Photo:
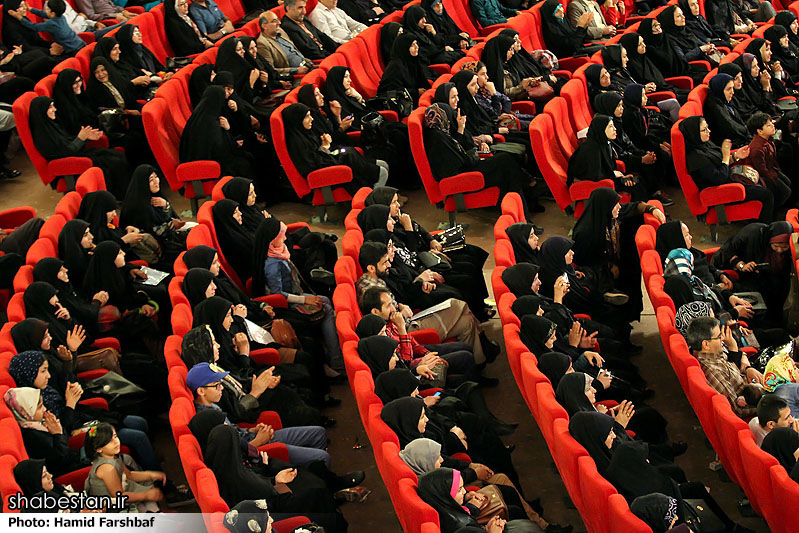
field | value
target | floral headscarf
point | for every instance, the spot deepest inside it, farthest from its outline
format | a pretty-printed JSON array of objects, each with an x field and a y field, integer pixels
[
  {"x": 780, "y": 369},
  {"x": 23, "y": 402},
  {"x": 436, "y": 118}
]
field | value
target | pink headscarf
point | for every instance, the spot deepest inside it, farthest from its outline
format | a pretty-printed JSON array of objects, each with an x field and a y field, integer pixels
[
  {"x": 456, "y": 486},
  {"x": 23, "y": 402},
  {"x": 278, "y": 248}
]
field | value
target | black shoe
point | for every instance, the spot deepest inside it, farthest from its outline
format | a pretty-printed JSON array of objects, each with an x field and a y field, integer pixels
[
  {"x": 331, "y": 236},
  {"x": 328, "y": 422},
  {"x": 490, "y": 348},
  {"x": 487, "y": 382},
  {"x": 679, "y": 448},
  {"x": 350, "y": 479},
  {"x": 331, "y": 402},
  {"x": 177, "y": 495},
  {"x": 536, "y": 505},
  {"x": 9, "y": 172},
  {"x": 503, "y": 430}
]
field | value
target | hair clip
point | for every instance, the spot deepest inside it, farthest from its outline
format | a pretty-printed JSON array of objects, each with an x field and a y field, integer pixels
[{"x": 93, "y": 431}]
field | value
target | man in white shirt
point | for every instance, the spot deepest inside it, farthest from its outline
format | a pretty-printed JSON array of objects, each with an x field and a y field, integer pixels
[
  {"x": 80, "y": 23},
  {"x": 334, "y": 22},
  {"x": 774, "y": 413}
]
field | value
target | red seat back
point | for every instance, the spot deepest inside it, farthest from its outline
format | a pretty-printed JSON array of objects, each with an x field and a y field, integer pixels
[
  {"x": 551, "y": 161},
  {"x": 90, "y": 181}
]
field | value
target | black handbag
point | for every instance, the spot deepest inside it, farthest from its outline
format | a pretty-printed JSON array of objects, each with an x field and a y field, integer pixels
[
  {"x": 177, "y": 63},
  {"x": 700, "y": 518},
  {"x": 399, "y": 101},
  {"x": 451, "y": 238},
  {"x": 113, "y": 122},
  {"x": 122, "y": 394}
]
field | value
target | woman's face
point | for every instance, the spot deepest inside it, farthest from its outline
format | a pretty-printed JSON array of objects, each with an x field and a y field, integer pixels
[
  {"x": 46, "y": 340},
  {"x": 63, "y": 274},
  {"x": 704, "y": 131},
  {"x": 551, "y": 340},
  {"x": 253, "y": 49},
  {"x": 591, "y": 394},
  {"x": 780, "y": 247},
  {"x": 422, "y": 22},
  {"x": 619, "y": 111},
  {"x": 784, "y": 41},
  {"x": 392, "y": 363},
  {"x": 453, "y": 98},
  {"x": 240, "y": 49},
  {"x": 679, "y": 17},
  {"x": 251, "y": 195},
  {"x": 604, "y": 78},
  {"x": 438, "y": 7},
  {"x": 517, "y": 42},
  {"x": 765, "y": 53},
  {"x": 47, "y": 480},
  {"x": 729, "y": 90},
  {"x": 615, "y": 211},
  {"x": 754, "y": 70},
  {"x": 694, "y": 5},
  {"x": 119, "y": 260},
  {"x": 210, "y": 290},
  {"x": 307, "y": 121},
  {"x": 38, "y": 415},
  {"x": 77, "y": 85},
  {"x": 112, "y": 448},
  {"x": 439, "y": 462},
  {"x": 624, "y": 58},
  {"x": 155, "y": 183},
  {"x": 473, "y": 86},
  {"x": 109, "y": 216},
  {"x": 228, "y": 320},
  {"x": 114, "y": 53},
  {"x": 414, "y": 49},
  {"x": 460, "y": 494},
  {"x": 536, "y": 284},
  {"x": 657, "y": 29},
  {"x": 394, "y": 206},
  {"x": 532, "y": 240},
  {"x": 422, "y": 425},
  {"x": 795, "y": 27},
  {"x": 569, "y": 257},
  {"x": 738, "y": 81},
  {"x": 346, "y": 82},
  {"x": 318, "y": 97},
  {"x": 87, "y": 241},
  {"x": 686, "y": 233},
  {"x": 540, "y": 311},
  {"x": 214, "y": 346},
  {"x": 482, "y": 76},
  {"x": 215, "y": 266},
  {"x": 136, "y": 36},
  {"x": 237, "y": 215},
  {"x": 390, "y": 224},
  {"x": 510, "y": 53},
  {"x": 609, "y": 440},
  {"x": 43, "y": 376},
  {"x": 51, "y": 111},
  {"x": 558, "y": 13},
  {"x": 101, "y": 74},
  {"x": 610, "y": 130},
  {"x": 641, "y": 46},
  {"x": 183, "y": 7}
]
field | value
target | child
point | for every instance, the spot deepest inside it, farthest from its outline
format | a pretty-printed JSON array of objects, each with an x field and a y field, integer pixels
[{"x": 55, "y": 24}]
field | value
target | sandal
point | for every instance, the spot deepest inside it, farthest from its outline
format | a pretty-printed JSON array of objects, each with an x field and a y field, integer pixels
[{"x": 354, "y": 494}]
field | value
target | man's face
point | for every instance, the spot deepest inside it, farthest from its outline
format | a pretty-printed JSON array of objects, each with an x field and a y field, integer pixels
[
  {"x": 271, "y": 25},
  {"x": 383, "y": 266},
  {"x": 784, "y": 421},
  {"x": 713, "y": 345},
  {"x": 386, "y": 306},
  {"x": 297, "y": 11}
]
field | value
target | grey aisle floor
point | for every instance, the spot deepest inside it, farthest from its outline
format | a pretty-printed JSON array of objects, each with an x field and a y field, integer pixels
[{"x": 532, "y": 458}]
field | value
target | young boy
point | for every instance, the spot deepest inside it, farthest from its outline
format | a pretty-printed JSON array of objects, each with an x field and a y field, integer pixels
[
  {"x": 304, "y": 443},
  {"x": 55, "y": 24},
  {"x": 763, "y": 157}
]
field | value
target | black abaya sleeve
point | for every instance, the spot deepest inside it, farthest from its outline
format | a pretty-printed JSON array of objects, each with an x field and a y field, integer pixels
[{"x": 710, "y": 176}]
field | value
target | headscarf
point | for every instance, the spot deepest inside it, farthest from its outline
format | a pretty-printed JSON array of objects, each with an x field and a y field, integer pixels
[
  {"x": 594, "y": 159},
  {"x": 590, "y": 232},
  {"x": 236, "y": 242},
  {"x": 28, "y": 335},
  {"x": 554, "y": 366},
  {"x": 103, "y": 275},
  {"x": 668, "y": 237},
  {"x": 203, "y": 138},
  {"x": 661, "y": 51},
  {"x": 381, "y": 195},
  {"x": 195, "y": 284},
  {"x": 680, "y": 262},
  {"x": 698, "y": 154},
  {"x": 632, "y": 474},
  {"x": 23, "y": 403},
  {"x": 438, "y": 489},
  {"x": 527, "y": 305},
  {"x": 369, "y": 325},
  {"x": 181, "y": 32},
  {"x": 495, "y": 56},
  {"x": 302, "y": 144},
  {"x": 203, "y": 422},
  {"x": 679, "y": 35},
  {"x": 388, "y": 34},
  {"x": 137, "y": 55},
  {"x": 435, "y": 118},
  {"x": 402, "y": 416},
  {"x": 785, "y": 19},
  {"x": 373, "y": 217},
  {"x": 571, "y": 392},
  {"x": 199, "y": 81},
  {"x": 28, "y": 475},
  {"x": 591, "y": 429},
  {"x": 535, "y": 331},
  {"x": 376, "y": 352},
  {"x": 780, "y": 369},
  {"x": 103, "y": 49},
  {"x": 279, "y": 250},
  {"x": 250, "y": 516},
  {"x": 212, "y": 311},
  {"x": 786, "y": 56},
  {"x": 395, "y": 384},
  {"x": 101, "y": 95},
  {"x": 238, "y": 189},
  {"x": 136, "y": 207},
  {"x": 49, "y": 137},
  {"x": 75, "y": 257},
  {"x": 478, "y": 120},
  {"x": 73, "y": 110},
  {"x": 37, "y": 305},
  {"x": 268, "y": 231},
  {"x": 421, "y": 455},
  {"x": 687, "y": 312},
  {"x": 197, "y": 346},
  {"x": 640, "y": 66},
  {"x": 553, "y": 262},
  {"x": 404, "y": 70},
  {"x": 782, "y": 443},
  {"x": 24, "y": 367},
  {"x": 716, "y": 87},
  {"x": 519, "y": 278},
  {"x": 518, "y": 234},
  {"x": 656, "y": 510},
  {"x": 94, "y": 209}
]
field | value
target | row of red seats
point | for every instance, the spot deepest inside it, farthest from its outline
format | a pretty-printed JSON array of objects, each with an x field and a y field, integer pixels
[{"x": 601, "y": 507}]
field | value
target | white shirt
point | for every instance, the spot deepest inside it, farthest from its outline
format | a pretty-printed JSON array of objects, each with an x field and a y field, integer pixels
[
  {"x": 757, "y": 431},
  {"x": 76, "y": 22},
  {"x": 335, "y": 23}
]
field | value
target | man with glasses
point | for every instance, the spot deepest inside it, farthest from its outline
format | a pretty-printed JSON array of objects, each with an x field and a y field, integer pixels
[
  {"x": 309, "y": 40},
  {"x": 304, "y": 443},
  {"x": 763, "y": 157},
  {"x": 103, "y": 9},
  {"x": 707, "y": 339},
  {"x": 278, "y": 49}
]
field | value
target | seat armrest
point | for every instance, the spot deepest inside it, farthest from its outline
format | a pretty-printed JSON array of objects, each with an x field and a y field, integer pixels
[
  {"x": 722, "y": 194},
  {"x": 102, "y": 142},
  {"x": 528, "y": 108},
  {"x": 197, "y": 170},
  {"x": 275, "y": 300},
  {"x": 683, "y": 82},
  {"x": 276, "y": 450},
  {"x": 498, "y": 138},
  {"x": 270, "y": 418},
  {"x": 97, "y": 403},
  {"x": 389, "y": 115},
  {"x": 702, "y": 63},
  {"x": 440, "y": 68},
  {"x": 660, "y": 95},
  {"x": 89, "y": 375},
  {"x": 426, "y": 336},
  {"x": 333, "y": 175},
  {"x": 581, "y": 190},
  {"x": 16, "y": 216},
  {"x": 572, "y": 63},
  {"x": 354, "y": 135},
  {"x": 462, "y": 183},
  {"x": 265, "y": 356},
  {"x": 107, "y": 342},
  {"x": 294, "y": 226},
  {"x": 429, "y": 392},
  {"x": 68, "y": 166},
  {"x": 562, "y": 74}
]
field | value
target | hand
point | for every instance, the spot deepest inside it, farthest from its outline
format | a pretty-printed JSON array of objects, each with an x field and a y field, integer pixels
[
  {"x": 52, "y": 424},
  {"x": 137, "y": 273},
  {"x": 84, "y": 133},
  {"x": 156, "y": 476},
  {"x": 154, "y": 495},
  {"x": 666, "y": 147},
  {"x": 726, "y": 146},
  {"x": 742, "y": 153},
  {"x": 608, "y": 30},
  {"x": 327, "y": 140},
  {"x": 649, "y": 158},
  {"x": 728, "y": 339},
  {"x": 335, "y": 107},
  {"x": 435, "y": 246},
  {"x": 261, "y": 382},
  {"x": 751, "y": 266},
  {"x": 264, "y": 77},
  {"x": 148, "y": 310},
  {"x": 73, "y": 393},
  {"x": 240, "y": 311},
  {"x": 75, "y": 338},
  {"x": 286, "y": 476},
  {"x": 585, "y": 19},
  {"x": 63, "y": 353},
  {"x": 438, "y": 278},
  {"x": 425, "y": 372},
  {"x": 605, "y": 378},
  {"x": 658, "y": 214},
  {"x": 406, "y": 311},
  {"x": 141, "y": 80},
  {"x": 461, "y": 120},
  {"x": 132, "y": 238},
  {"x": 399, "y": 322},
  {"x": 448, "y": 48},
  {"x": 55, "y": 48},
  {"x": 430, "y": 401},
  {"x": 158, "y": 201},
  {"x": 575, "y": 334},
  {"x": 428, "y": 287},
  {"x": 62, "y": 313},
  {"x": 482, "y": 471},
  {"x": 490, "y": 87},
  {"x": 254, "y": 75},
  {"x": 430, "y": 29},
  {"x": 101, "y": 297},
  {"x": 228, "y": 27},
  {"x": 312, "y": 299},
  {"x": 753, "y": 375},
  {"x": 263, "y": 435},
  {"x": 302, "y": 69},
  {"x": 588, "y": 340},
  {"x": 495, "y": 525},
  {"x": 624, "y": 412},
  {"x": 427, "y": 275},
  {"x": 241, "y": 342},
  {"x": 725, "y": 282},
  {"x": 269, "y": 310},
  {"x": 223, "y": 123},
  {"x": 346, "y": 123},
  {"x": 432, "y": 359},
  {"x": 260, "y": 138},
  {"x": 601, "y": 408},
  {"x": 232, "y": 105},
  {"x": 740, "y": 401},
  {"x": 594, "y": 358},
  {"x": 405, "y": 220},
  {"x": 274, "y": 381},
  {"x": 475, "y": 498},
  {"x": 706, "y": 48},
  {"x": 744, "y": 312},
  {"x": 484, "y": 148}
]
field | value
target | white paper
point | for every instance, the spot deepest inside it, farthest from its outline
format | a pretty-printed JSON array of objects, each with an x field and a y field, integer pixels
[
  {"x": 258, "y": 334},
  {"x": 154, "y": 277},
  {"x": 430, "y": 310}
]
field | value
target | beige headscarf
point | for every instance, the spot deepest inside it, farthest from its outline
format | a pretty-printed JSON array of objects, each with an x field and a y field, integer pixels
[{"x": 23, "y": 402}]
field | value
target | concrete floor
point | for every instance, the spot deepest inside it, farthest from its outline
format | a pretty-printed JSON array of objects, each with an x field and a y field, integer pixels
[{"x": 532, "y": 458}]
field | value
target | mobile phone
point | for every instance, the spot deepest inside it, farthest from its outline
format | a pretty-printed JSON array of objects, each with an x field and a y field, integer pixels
[
  {"x": 724, "y": 318},
  {"x": 436, "y": 395},
  {"x": 565, "y": 277}
]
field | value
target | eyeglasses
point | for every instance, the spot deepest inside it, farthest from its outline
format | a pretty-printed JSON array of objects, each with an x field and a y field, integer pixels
[
  {"x": 217, "y": 385},
  {"x": 715, "y": 338}
]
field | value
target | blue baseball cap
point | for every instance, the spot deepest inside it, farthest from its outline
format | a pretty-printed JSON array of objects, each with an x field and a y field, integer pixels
[{"x": 202, "y": 374}]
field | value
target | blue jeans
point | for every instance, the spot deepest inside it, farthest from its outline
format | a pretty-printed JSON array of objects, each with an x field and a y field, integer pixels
[
  {"x": 133, "y": 434},
  {"x": 98, "y": 34},
  {"x": 304, "y": 443}
]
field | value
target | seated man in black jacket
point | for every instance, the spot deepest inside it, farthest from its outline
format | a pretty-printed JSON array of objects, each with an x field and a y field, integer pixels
[{"x": 311, "y": 42}]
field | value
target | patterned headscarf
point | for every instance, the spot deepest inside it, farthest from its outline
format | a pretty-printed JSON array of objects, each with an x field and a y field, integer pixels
[
  {"x": 687, "y": 312},
  {"x": 23, "y": 402},
  {"x": 470, "y": 65},
  {"x": 24, "y": 367},
  {"x": 436, "y": 118},
  {"x": 780, "y": 369},
  {"x": 679, "y": 261}
]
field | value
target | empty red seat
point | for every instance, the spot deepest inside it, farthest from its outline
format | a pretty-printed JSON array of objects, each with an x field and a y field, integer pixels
[{"x": 90, "y": 181}]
